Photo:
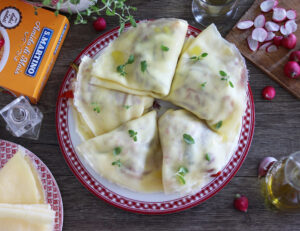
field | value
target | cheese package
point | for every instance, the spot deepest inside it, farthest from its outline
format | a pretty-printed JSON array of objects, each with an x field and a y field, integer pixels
[
  {"x": 30, "y": 41},
  {"x": 19, "y": 182}
]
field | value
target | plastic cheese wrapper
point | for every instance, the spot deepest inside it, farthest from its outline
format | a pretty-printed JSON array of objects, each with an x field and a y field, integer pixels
[{"x": 32, "y": 40}]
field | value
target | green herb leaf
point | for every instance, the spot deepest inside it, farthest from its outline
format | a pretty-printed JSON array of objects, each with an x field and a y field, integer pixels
[
  {"x": 204, "y": 55},
  {"x": 188, "y": 139},
  {"x": 108, "y": 12},
  {"x": 219, "y": 124},
  {"x": 194, "y": 57},
  {"x": 144, "y": 66},
  {"x": 74, "y": 2},
  {"x": 164, "y": 48},
  {"x": 117, "y": 162},
  {"x": 182, "y": 171},
  {"x": 207, "y": 156},
  {"x": 122, "y": 26},
  {"x": 203, "y": 84},
  {"x": 127, "y": 106},
  {"x": 132, "y": 21},
  {"x": 231, "y": 84},
  {"x": 130, "y": 59},
  {"x": 223, "y": 73},
  {"x": 47, "y": 2},
  {"x": 117, "y": 151},
  {"x": 133, "y": 134},
  {"x": 96, "y": 107}
]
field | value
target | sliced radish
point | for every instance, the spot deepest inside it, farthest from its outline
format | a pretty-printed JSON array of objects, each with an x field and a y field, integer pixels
[
  {"x": 279, "y": 14},
  {"x": 259, "y": 34},
  {"x": 252, "y": 44},
  {"x": 268, "y": 5},
  {"x": 272, "y": 26},
  {"x": 291, "y": 26},
  {"x": 272, "y": 48},
  {"x": 259, "y": 21},
  {"x": 284, "y": 31},
  {"x": 270, "y": 36},
  {"x": 245, "y": 25},
  {"x": 291, "y": 14},
  {"x": 265, "y": 45}
]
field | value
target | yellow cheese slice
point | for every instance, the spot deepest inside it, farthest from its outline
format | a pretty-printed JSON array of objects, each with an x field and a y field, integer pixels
[
  {"x": 19, "y": 182},
  {"x": 36, "y": 217}
]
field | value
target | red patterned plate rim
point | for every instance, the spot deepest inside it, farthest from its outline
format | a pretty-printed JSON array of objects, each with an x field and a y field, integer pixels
[
  {"x": 51, "y": 189},
  {"x": 121, "y": 201}
]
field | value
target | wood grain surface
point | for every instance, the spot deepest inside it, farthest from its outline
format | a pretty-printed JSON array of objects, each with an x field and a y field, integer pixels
[
  {"x": 277, "y": 133},
  {"x": 271, "y": 63}
]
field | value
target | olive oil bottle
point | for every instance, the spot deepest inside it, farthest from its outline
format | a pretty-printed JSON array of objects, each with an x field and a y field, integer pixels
[{"x": 282, "y": 183}]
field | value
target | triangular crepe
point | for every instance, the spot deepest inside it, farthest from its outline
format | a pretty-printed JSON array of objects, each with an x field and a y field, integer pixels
[
  {"x": 19, "y": 182},
  {"x": 211, "y": 82},
  {"x": 191, "y": 152},
  {"x": 102, "y": 109},
  {"x": 36, "y": 217},
  {"x": 129, "y": 156},
  {"x": 154, "y": 48}
]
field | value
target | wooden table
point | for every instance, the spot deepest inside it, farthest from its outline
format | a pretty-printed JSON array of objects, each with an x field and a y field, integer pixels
[{"x": 277, "y": 133}]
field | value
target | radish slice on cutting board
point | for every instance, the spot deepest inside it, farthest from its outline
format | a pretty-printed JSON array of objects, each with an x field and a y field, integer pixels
[
  {"x": 265, "y": 46},
  {"x": 270, "y": 36},
  {"x": 279, "y": 14},
  {"x": 284, "y": 31},
  {"x": 291, "y": 14},
  {"x": 252, "y": 44},
  {"x": 244, "y": 25},
  {"x": 291, "y": 26},
  {"x": 268, "y": 5},
  {"x": 259, "y": 34},
  {"x": 271, "y": 48},
  {"x": 272, "y": 26},
  {"x": 259, "y": 21}
]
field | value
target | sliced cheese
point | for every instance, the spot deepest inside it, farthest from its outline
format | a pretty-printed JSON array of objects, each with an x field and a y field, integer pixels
[
  {"x": 19, "y": 182},
  {"x": 36, "y": 217}
]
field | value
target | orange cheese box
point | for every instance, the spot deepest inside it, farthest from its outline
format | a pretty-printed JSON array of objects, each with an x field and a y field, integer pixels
[{"x": 30, "y": 41}]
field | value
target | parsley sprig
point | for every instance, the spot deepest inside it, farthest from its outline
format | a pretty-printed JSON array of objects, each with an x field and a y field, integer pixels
[
  {"x": 117, "y": 162},
  {"x": 198, "y": 58},
  {"x": 121, "y": 68},
  {"x": 117, "y": 8},
  {"x": 226, "y": 78},
  {"x": 133, "y": 134},
  {"x": 182, "y": 171}
]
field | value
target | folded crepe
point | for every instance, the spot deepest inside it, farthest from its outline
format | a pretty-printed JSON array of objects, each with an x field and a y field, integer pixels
[
  {"x": 20, "y": 217},
  {"x": 129, "y": 156},
  {"x": 192, "y": 152},
  {"x": 19, "y": 182},
  {"x": 142, "y": 60},
  {"x": 211, "y": 82},
  {"x": 101, "y": 109}
]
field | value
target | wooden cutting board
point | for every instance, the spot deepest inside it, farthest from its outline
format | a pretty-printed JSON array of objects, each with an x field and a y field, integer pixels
[{"x": 271, "y": 63}]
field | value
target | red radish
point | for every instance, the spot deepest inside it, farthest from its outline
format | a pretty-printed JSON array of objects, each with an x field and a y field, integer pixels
[
  {"x": 289, "y": 41},
  {"x": 241, "y": 203},
  {"x": 259, "y": 34},
  {"x": 268, "y": 93},
  {"x": 244, "y": 25},
  {"x": 268, "y": 5},
  {"x": 284, "y": 31},
  {"x": 99, "y": 24},
  {"x": 279, "y": 14},
  {"x": 265, "y": 165},
  {"x": 252, "y": 44},
  {"x": 291, "y": 26},
  {"x": 292, "y": 70},
  {"x": 272, "y": 26},
  {"x": 259, "y": 21},
  {"x": 295, "y": 56},
  {"x": 277, "y": 40},
  {"x": 2, "y": 42},
  {"x": 272, "y": 48},
  {"x": 291, "y": 14},
  {"x": 265, "y": 45},
  {"x": 270, "y": 36}
]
